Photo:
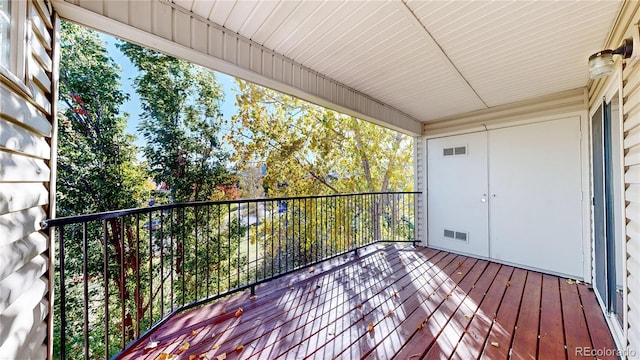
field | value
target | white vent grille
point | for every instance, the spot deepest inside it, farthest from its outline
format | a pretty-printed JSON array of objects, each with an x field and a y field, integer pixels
[
  {"x": 456, "y": 235},
  {"x": 454, "y": 151}
]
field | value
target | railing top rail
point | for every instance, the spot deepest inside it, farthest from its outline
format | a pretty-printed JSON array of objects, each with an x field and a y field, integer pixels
[{"x": 77, "y": 219}]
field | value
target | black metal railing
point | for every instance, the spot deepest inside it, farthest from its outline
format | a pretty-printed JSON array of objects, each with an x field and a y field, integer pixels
[{"x": 120, "y": 274}]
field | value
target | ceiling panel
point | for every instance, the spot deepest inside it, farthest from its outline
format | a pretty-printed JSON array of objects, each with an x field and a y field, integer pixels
[
  {"x": 240, "y": 14},
  {"x": 514, "y": 51},
  {"x": 429, "y": 59},
  {"x": 266, "y": 29},
  {"x": 257, "y": 17},
  {"x": 220, "y": 11}
]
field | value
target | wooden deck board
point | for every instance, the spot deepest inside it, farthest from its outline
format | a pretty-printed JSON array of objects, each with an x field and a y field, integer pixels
[
  {"x": 500, "y": 336},
  {"x": 474, "y": 337},
  {"x": 551, "y": 341},
  {"x": 525, "y": 337},
  {"x": 422, "y": 303},
  {"x": 575, "y": 325},
  {"x": 600, "y": 336}
]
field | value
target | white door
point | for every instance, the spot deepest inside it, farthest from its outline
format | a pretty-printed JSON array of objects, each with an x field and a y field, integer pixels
[
  {"x": 457, "y": 193},
  {"x": 535, "y": 196}
]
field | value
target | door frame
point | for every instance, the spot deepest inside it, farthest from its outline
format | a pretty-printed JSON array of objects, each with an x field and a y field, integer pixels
[{"x": 613, "y": 87}]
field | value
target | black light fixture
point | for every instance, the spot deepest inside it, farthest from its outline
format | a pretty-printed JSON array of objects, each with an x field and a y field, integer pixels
[{"x": 601, "y": 63}]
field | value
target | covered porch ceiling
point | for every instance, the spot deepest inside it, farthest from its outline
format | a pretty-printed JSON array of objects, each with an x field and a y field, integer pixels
[{"x": 423, "y": 60}]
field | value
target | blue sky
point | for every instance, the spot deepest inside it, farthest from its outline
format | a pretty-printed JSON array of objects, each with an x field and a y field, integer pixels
[{"x": 132, "y": 106}]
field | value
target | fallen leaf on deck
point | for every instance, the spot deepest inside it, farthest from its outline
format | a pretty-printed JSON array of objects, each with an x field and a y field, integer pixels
[
  {"x": 203, "y": 356},
  {"x": 389, "y": 313},
  {"x": 194, "y": 332},
  {"x": 183, "y": 347},
  {"x": 420, "y": 326},
  {"x": 309, "y": 292},
  {"x": 216, "y": 346},
  {"x": 370, "y": 327},
  {"x": 213, "y": 335},
  {"x": 252, "y": 297},
  {"x": 395, "y": 294},
  {"x": 221, "y": 356},
  {"x": 570, "y": 282},
  {"x": 165, "y": 356},
  {"x": 467, "y": 316},
  {"x": 239, "y": 312},
  {"x": 151, "y": 345},
  {"x": 495, "y": 344},
  {"x": 359, "y": 306},
  {"x": 459, "y": 272},
  {"x": 192, "y": 357},
  {"x": 239, "y": 347},
  {"x": 507, "y": 283},
  {"x": 312, "y": 270},
  {"x": 459, "y": 263}
]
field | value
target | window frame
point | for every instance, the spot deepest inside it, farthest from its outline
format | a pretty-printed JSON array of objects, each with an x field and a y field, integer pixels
[{"x": 16, "y": 70}]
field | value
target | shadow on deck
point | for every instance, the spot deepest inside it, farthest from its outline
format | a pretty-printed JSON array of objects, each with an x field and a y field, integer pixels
[{"x": 393, "y": 302}]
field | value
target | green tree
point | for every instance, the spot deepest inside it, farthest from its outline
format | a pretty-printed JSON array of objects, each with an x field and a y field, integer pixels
[
  {"x": 180, "y": 122},
  {"x": 314, "y": 150},
  {"x": 97, "y": 170},
  {"x": 310, "y": 150}
]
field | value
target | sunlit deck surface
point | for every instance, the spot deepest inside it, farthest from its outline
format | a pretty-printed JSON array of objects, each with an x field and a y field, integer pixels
[{"x": 394, "y": 302}]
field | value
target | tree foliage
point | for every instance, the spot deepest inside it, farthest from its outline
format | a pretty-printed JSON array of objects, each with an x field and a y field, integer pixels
[
  {"x": 180, "y": 123},
  {"x": 309, "y": 150},
  {"x": 97, "y": 168}
]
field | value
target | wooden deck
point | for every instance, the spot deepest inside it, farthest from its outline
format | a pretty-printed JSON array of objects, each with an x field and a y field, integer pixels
[{"x": 401, "y": 303}]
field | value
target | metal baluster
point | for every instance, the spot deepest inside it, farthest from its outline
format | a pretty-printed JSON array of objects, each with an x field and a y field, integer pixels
[
  {"x": 171, "y": 258},
  {"x": 85, "y": 293},
  {"x": 137, "y": 290},
  {"x": 105, "y": 271},
  {"x": 63, "y": 298},
  {"x": 195, "y": 226},
  {"x": 162, "y": 299},
  {"x": 122, "y": 283},
  {"x": 207, "y": 260}
]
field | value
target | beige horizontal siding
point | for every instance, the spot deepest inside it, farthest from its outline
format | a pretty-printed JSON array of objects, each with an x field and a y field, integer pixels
[
  {"x": 20, "y": 168},
  {"x": 25, "y": 156},
  {"x": 16, "y": 225},
  {"x": 19, "y": 139},
  {"x": 19, "y": 109},
  {"x": 40, "y": 29},
  {"x": 562, "y": 103},
  {"x": 15, "y": 255},
  {"x": 631, "y": 145},
  {"x": 21, "y": 281},
  {"x": 419, "y": 165},
  {"x": 22, "y": 196},
  {"x": 23, "y": 319},
  {"x": 40, "y": 54}
]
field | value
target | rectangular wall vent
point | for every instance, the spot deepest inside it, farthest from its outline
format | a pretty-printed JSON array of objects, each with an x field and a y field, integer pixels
[
  {"x": 454, "y": 151},
  {"x": 461, "y": 150},
  {"x": 455, "y": 235}
]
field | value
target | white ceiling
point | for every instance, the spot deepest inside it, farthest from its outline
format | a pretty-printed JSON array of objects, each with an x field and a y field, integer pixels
[{"x": 429, "y": 59}]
